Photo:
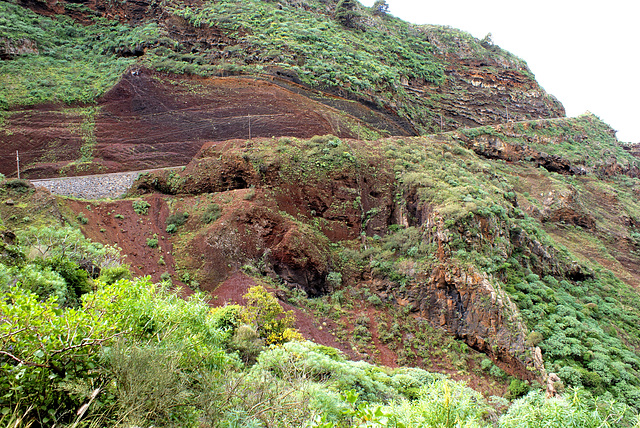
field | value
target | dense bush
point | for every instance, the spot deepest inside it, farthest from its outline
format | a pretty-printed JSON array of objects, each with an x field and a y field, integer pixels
[
  {"x": 577, "y": 409},
  {"x": 112, "y": 274},
  {"x": 266, "y": 316},
  {"x": 133, "y": 339}
]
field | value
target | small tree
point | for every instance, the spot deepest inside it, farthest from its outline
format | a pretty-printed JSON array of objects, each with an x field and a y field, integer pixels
[
  {"x": 346, "y": 13},
  {"x": 265, "y": 314},
  {"x": 380, "y": 8}
]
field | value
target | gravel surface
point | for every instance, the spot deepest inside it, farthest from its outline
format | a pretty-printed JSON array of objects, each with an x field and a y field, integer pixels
[{"x": 90, "y": 186}]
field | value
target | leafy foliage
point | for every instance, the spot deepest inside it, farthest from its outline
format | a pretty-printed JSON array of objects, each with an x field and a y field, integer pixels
[
  {"x": 141, "y": 207},
  {"x": 346, "y": 12},
  {"x": 575, "y": 409},
  {"x": 211, "y": 213},
  {"x": 264, "y": 313},
  {"x": 131, "y": 339},
  {"x": 48, "y": 260},
  {"x": 380, "y": 7}
]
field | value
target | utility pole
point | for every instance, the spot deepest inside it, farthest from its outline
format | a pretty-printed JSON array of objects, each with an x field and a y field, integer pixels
[{"x": 18, "y": 163}]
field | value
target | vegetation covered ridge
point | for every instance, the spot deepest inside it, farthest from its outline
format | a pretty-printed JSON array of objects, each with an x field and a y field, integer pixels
[
  {"x": 482, "y": 274},
  {"x": 429, "y": 77}
]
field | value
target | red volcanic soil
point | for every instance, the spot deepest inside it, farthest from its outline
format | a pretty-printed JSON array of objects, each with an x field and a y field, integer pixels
[
  {"x": 116, "y": 222},
  {"x": 111, "y": 222},
  {"x": 150, "y": 119}
]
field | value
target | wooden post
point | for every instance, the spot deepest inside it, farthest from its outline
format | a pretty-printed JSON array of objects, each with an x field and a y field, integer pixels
[
  {"x": 440, "y": 122},
  {"x": 249, "y": 126},
  {"x": 507, "y": 114},
  {"x": 18, "y": 163}
]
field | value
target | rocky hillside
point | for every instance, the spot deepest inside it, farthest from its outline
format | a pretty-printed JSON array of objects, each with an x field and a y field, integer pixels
[
  {"x": 494, "y": 234},
  {"x": 142, "y": 70},
  {"x": 361, "y": 169}
]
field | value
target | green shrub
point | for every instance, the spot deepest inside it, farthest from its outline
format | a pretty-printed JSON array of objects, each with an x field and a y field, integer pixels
[
  {"x": 112, "y": 274},
  {"x": 534, "y": 338},
  {"x": 577, "y": 409},
  {"x": 177, "y": 219},
  {"x": 346, "y": 13},
  {"x": 226, "y": 318},
  {"x": 44, "y": 282},
  {"x": 152, "y": 242},
  {"x": 375, "y": 300},
  {"x": 67, "y": 242},
  {"x": 76, "y": 278},
  {"x": 251, "y": 193},
  {"x": 334, "y": 279},
  {"x": 497, "y": 372},
  {"x": 517, "y": 388},
  {"x": 211, "y": 213},
  {"x": 19, "y": 186},
  {"x": 263, "y": 312},
  {"x": 153, "y": 373},
  {"x": 141, "y": 207},
  {"x": 443, "y": 403},
  {"x": 47, "y": 350},
  {"x": 486, "y": 364},
  {"x": 248, "y": 343}
]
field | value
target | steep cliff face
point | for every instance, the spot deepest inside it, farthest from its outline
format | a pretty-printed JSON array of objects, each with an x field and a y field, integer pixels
[
  {"x": 141, "y": 123},
  {"x": 484, "y": 85},
  {"x": 587, "y": 147}
]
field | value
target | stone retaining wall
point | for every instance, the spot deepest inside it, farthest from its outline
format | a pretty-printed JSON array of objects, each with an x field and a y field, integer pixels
[{"x": 90, "y": 186}]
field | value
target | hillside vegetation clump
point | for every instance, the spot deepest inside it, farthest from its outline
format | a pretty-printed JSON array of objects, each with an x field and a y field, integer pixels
[{"x": 70, "y": 63}]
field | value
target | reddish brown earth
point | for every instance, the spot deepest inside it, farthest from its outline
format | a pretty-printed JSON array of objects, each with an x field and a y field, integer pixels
[
  {"x": 117, "y": 222},
  {"x": 261, "y": 226},
  {"x": 150, "y": 119}
]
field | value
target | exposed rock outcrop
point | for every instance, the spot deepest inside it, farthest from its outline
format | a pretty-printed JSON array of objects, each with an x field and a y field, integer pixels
[
  {"x": 493, "y": 147},
  {"x": 9, "y": 49},
  {"x": 152, "y": 119}
]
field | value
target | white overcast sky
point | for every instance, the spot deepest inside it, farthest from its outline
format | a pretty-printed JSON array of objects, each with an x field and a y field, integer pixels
[{"x": 586, "y": 53}]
